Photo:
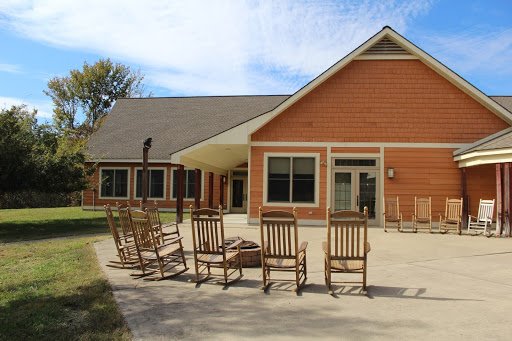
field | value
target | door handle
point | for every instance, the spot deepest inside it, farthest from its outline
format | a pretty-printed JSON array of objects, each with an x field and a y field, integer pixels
[{"x": 357, "y": 200}]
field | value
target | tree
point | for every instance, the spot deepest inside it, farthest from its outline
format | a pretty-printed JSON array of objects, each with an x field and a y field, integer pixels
[
  {"x": 35, "y": 157},
  {"x": 91, "y": 92}
]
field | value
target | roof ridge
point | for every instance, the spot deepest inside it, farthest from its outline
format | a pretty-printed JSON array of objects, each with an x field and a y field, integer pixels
[{"x": 214, "y": 96}]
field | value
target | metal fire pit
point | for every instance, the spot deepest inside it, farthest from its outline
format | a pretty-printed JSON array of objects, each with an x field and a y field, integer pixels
[{"x": 251, "y": 252}]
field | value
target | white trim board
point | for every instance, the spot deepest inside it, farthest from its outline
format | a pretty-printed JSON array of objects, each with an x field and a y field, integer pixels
[
  {"x": 128, "y": 161},
  {"x": 358, "y": 144}
]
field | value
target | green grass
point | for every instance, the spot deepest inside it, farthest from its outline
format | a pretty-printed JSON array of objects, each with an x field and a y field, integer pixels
[
  {"x": 55, "y": 290},
  {"x": 39, "y": 223}
]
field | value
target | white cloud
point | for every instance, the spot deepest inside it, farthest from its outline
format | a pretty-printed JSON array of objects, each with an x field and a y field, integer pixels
[
  {"x": 44, "y": 109},
  {"x": 213, "y": 47},
  {"x": 478, "y": 50},
  {"x": 10, "y": 68}
]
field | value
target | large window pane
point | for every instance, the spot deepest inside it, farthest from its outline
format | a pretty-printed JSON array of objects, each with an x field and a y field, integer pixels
[
  {"x": 114, "y": 183},
  {"x": 303, "y": 180},
  {"x": 278, "y": 179},
  {"x": 190, "y": 179},
  {"x": 156, "y": 183},
  {"x": 107, "y": 183},
  {"x": 121, "y": 183}
]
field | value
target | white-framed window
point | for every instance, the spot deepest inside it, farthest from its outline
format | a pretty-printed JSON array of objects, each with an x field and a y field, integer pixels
[
  {"x": 291, "y": 179},
  {"x": 157, "y": 182},
  {"x": 114, "y": 182},
  {"x": 190, "y": 183}
]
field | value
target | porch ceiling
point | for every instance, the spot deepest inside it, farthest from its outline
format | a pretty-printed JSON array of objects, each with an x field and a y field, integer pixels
[{"x": 216, "y": 158}]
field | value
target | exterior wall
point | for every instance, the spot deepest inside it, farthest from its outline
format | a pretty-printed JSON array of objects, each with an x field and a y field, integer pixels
[
  {"x": 422, "y": 173},
  {"x": 383, "y": 101},
  {"x": 481, "y": 184},
  {"x": 167, "y": 203},
  {"x": 398, "y": 102},
  {"x": 256, "y": 182}
]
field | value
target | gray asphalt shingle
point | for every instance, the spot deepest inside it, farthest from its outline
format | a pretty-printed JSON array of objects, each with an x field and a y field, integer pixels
[{"x": 174, "y": 123}]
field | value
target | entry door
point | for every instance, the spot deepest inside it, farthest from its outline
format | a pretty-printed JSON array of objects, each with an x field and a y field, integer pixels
[
  {"x": 239, "y": 195},
  {"x": 353, "y": 190}
]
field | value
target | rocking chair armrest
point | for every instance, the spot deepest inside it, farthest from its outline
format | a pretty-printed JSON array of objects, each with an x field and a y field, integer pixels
[
  {"x": 174, "y": 240},
  {"x": 303, "y": 246},
  {"x": 367, "y": 247},
  {"x": 324, "y": 247}
]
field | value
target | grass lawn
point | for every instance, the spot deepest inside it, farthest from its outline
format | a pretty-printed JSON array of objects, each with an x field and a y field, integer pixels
[
  {"x": 54, "y": 289},
  {"x": 39, "y": 223}
]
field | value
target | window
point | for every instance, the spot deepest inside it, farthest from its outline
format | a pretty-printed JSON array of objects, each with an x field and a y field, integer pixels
[
  {"x": 156, "y": 184},
  {"x": 114, "y": 183},
  {"x": 291, "y": 179},
  {"x": 190, "y": 183},
  {"x": 355, "y": 162}
]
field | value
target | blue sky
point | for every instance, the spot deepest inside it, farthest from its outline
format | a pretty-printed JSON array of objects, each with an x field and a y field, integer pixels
[{"x": 239, "y": 47}]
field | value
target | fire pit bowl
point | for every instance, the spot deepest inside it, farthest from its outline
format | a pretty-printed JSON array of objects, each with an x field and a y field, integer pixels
[{"x": 251, "y": 252}]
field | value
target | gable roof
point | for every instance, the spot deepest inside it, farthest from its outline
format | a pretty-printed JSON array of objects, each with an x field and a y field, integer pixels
[
  {"x": 388, "y": 44},
  {"x": 174, "y": 123}
]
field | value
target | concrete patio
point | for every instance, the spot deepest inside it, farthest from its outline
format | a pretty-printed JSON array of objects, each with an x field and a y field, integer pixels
[{"x": 421, "y": 286}]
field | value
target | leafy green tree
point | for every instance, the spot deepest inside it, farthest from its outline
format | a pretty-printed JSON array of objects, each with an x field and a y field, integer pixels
[
  {"x": 90, "y": 93},
  {"x": 36, "y": 157},
  {"x": 17, "y": 139}
]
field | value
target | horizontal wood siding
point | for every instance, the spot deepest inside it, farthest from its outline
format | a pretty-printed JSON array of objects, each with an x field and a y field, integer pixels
[
  {"x": 383, "y": 101},
  {"x": 167, "y": 203},
  {"x": 481, "y": 184},
  {"x": 256, "y": 174},
  {"x": 423, "y": 173}
]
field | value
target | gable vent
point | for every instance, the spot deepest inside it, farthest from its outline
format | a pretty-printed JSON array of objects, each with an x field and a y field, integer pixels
[{"x": 385, "y": 46}]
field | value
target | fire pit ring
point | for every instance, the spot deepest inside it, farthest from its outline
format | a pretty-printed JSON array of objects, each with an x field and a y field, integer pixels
[{"x": 251, "y": 251}]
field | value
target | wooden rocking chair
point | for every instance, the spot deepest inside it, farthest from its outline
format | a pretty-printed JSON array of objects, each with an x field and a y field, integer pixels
[
  {"x": 210, "y": 250},
  {"x": 452, "y": 219},
  {"x": 392, "y": 213},
  {"x": 166, "y": 259},
  {"x": 280, "y": 246},
  {"x": 483, "y": 220},
  {"x": 346, "y": 249},
  {"x": 168, "y": 230},
  {"x": 125, "y": 245},
  {"x": 422, "y": 217}
]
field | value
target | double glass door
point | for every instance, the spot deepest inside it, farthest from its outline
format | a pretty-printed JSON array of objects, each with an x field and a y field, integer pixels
[{"x": 355, "y": 189}]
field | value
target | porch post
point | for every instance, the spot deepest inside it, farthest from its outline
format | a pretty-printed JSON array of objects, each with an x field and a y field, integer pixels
[
  {"x": 180, "y": 182},
  {"x": 499, "y": 204},
  {"x": 210, "y": 189},
  {"x": 197, "y": 192},
  {"x": 506, "y": 198},
  {"x": 221, "y": 189},
  {"x": 465, "y": 198}
]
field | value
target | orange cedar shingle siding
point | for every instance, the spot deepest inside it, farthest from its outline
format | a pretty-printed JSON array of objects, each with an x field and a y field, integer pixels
[
  {"x": 422, "y": 172},
  {"x": 384, "y": 101},
  {"x": 256, "y": 174},
  {"x": 481, "y": 184},
  {"x": 167, "y": 203}
]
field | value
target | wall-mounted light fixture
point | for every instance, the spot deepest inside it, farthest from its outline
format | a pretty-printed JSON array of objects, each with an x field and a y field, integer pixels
[
  {"x": 391, "y": 173},
  {"x": 323, "y": 163}
]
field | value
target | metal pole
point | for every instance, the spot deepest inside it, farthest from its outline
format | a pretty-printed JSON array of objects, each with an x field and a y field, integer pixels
[{"x": 145, "y": 172}]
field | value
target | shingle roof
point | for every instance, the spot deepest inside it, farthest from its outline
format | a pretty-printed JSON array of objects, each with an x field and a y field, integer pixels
[
  {"x": 174, "y": 123},
  {"x": 504, "y": 101}
]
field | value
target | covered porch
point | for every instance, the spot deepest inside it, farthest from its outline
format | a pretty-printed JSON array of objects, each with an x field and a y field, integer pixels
[
  {"x": 229, "y": 162},
  {"x": 494, "y": 154}
]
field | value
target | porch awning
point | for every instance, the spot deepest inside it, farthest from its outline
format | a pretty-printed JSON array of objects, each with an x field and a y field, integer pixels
[{"x": 493, "y": 149}]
